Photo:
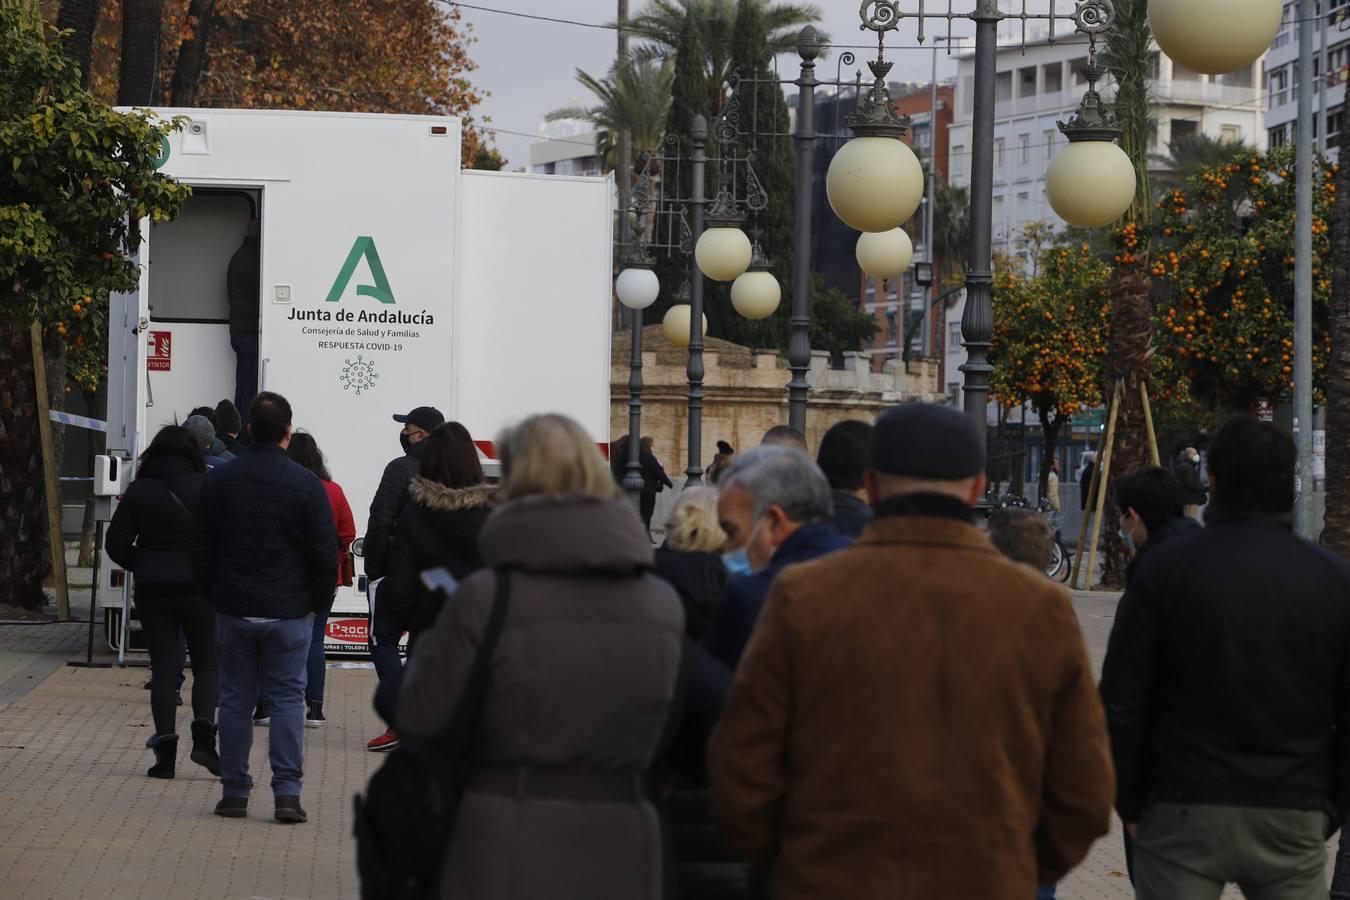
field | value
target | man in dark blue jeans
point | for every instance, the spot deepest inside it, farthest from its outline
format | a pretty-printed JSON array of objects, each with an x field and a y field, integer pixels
[{"x": 264, "y": 554}]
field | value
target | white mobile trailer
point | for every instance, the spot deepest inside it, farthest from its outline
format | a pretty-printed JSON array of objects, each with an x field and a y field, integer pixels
[{"x": 389, "y": 278}]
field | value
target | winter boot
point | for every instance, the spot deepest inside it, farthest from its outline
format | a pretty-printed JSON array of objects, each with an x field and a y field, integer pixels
[
  {"x": 166, "y": 748},
  {"x": 204, "y": 746}
]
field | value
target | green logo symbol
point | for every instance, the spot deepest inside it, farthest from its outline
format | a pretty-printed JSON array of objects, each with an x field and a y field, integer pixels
[
  {"x": 380, "y": 290},
  {"x": 163, "y": 156}
]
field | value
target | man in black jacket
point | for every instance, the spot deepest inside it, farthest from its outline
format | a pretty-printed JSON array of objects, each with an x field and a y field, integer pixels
[
  {"x": 264, "y": 553},
  {"x": 390, "y": 498},
  {"x": 843, "y": 458},
  {"x": 242, "y": 286},
  {"x": 1227, "y": 690},
  {"x": 1151, "y": 513},
  {"x": 1193, "y": 494}
]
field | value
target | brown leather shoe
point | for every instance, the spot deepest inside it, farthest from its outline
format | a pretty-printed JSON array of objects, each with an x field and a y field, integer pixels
[{"x": 289, "y": 811}]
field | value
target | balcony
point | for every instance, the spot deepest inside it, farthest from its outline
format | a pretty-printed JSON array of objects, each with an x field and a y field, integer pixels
[{"x": 1202, "y": 93}]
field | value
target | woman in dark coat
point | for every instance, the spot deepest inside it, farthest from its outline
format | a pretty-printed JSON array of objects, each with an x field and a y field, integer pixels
[
  {"x": 450, "y": 502},
  {"x": 690, "y": 559},
  {"x": 583, "y": 681},
  {"x": 150, "y": 536}
]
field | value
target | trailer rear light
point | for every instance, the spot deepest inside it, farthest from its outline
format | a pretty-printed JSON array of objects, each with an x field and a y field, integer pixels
[
  {"x": 117, "y": 578},
  {"x": 439, "y": 130}
]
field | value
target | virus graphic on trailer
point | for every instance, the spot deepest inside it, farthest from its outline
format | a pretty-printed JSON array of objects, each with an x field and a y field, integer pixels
[{"x": 359, "y": 375}]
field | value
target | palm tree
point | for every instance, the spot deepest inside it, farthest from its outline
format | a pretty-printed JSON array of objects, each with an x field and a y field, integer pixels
[
  {"x": 633, "y": 99},
  {"x": 1190, "y": 154},
  {"x": 1337, "y": 534},
  {"x": 1128, "y": 59},
  {"x": 662, "y": 22},
  {"x": 951, "y": 230}
]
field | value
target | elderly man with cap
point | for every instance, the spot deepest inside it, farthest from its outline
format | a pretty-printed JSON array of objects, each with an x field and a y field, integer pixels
[
  {"x": 390, "y": 498},
  {"x": 914, "y": 716}
]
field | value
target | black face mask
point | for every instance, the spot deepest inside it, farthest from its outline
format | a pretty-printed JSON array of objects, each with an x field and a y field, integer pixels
[{"x": 405, "y": 441}]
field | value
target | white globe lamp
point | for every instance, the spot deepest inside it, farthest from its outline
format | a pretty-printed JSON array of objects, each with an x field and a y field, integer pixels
[
  {"x": 676, "y": 324},
  {"x": 884, "y": 254},
  {"x": 756, "y": 294},
  {"x": 1214, "y": 36},
  {"x": 637, "y": 287},
  {"x": 722, "y": 252},
  {"x": 874, "y": 183},
  {"x": 1090, "y": 183}
]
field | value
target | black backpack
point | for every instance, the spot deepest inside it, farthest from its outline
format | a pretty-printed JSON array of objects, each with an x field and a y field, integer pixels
[{"x": 403, "y": 823}]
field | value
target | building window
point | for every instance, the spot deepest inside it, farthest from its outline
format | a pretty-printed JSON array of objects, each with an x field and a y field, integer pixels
[
  {"x": 998, "y": 152},
  {"x": 1277, "y": 86},
  {"x": 1024, "y": 148},
  {"x": 890, "y": 327},
  {"x": 1154, "y": 67},
  {"x": 1076, "y": 66},
  {"x": 1277, "y": 136},
  {"x": 1003, "y": 87},
  {"x": 1052, "y": 74},
  {"x": 1026, "y": 81},
  {"x": 1182, "y": 128},
  {"x": 954, "y": 336},
  {"x": 1049, "y": 137}
]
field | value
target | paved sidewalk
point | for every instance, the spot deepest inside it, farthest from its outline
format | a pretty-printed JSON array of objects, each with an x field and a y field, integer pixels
[{"x": 79, "y": 819}]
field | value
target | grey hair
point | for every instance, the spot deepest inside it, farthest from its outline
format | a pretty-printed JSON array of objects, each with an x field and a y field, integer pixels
[{"x": 783, "y": 477}]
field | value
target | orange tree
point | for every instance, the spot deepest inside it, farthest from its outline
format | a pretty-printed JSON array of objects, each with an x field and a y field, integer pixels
[
  {"x": 1051, "y": 337},
  {"x": 1225, "y": 256},
  {"x": 76, "y": 179}
]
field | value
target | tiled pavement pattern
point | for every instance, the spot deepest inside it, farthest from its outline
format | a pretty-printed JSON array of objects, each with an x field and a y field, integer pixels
[{"x": 79, "y": 819}]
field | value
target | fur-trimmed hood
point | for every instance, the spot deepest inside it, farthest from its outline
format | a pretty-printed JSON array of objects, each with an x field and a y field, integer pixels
[{"x": 434, "y": 495}]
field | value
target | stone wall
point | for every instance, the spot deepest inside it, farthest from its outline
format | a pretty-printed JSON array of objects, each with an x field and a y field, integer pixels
[{"x": 745, "y": 393}]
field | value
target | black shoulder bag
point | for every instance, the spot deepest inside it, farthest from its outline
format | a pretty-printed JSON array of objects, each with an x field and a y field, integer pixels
[{"x": 404, "y": 821}]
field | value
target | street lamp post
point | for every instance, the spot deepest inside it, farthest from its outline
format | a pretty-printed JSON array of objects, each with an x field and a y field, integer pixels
[
  {"x": 804, "y": 137},
  {"x": 698, "y": 134}
]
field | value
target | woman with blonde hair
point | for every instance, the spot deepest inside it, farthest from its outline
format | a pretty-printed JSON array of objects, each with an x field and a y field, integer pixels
[
  {"x": 691, "y": 558},
  {"x": 581, "y": 685}
]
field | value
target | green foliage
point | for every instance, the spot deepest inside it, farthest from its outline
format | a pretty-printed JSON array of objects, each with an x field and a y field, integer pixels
[
  {"x": 632, "y": 99},
  {"x": 1226, "y": 259},
  {"x": 1050, "y": 332},
  {"x": 76, "y": 176},
  {"x": 1128, "y": 57},
  {"x": 836, "y": 325}
]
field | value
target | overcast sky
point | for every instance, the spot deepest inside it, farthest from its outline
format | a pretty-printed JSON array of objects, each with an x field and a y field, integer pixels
[{"x": 528, "y": 67}]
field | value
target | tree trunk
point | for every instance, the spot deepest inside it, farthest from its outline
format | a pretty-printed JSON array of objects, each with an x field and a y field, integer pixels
[
  {"x": 79, "y": 17},
  {"x": 1131, "y": 350},
  {"x": 187, "y": 74},
  {"x": 87, "y": 547},
  {"x": 24, "y": 557},
  {"x": 1337, "y": 533},
  {"x": 1050, "y": 432},
  {"x": 137, "y": 78}
]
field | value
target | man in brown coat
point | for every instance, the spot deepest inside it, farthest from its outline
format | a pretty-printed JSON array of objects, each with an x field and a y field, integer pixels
[{"x": 914, "y": 716}]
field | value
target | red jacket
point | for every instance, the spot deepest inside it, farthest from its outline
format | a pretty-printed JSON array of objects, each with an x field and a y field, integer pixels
[{"x": 342, "y": 516}]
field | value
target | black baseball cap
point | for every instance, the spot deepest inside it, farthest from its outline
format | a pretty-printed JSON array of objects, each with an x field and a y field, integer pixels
[
  {"x": 424, "y": 417},
  {"x": 924, "y": 440}
]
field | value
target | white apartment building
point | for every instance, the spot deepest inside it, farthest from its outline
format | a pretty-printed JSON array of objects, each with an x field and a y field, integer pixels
[
  {"x": 1329, "y": 88},
  {"x": 567, "y": 149},
  {"x": 1041, "y": 85}
]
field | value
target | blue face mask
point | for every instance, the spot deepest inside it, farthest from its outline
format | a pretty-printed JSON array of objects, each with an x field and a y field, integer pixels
[{"x": 737, "y": 562}]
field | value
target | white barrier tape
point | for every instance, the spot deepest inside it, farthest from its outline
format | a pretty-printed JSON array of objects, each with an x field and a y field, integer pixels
[{"x": 66, "y": 418}]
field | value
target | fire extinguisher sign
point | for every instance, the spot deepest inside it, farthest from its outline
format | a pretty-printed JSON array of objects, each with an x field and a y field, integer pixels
[{"x": 159, "y": 354}]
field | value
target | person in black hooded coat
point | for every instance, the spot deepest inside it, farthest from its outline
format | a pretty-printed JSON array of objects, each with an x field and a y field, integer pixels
[{"x": 449, "y": 500}]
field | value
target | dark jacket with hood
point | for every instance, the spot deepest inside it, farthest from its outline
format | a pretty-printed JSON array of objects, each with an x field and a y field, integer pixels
[
  {"x": 1174, "y": 528},
  {"x": 439, "y": 527},
  {"x": 1227, "y": 672},
  {"x": 699, "y": 579},
  {"x": 388, "y": 502},
  {"x": 151, "y": 533},
  {"x": 264, "y": 543},
  {"x": 583, "y": 683}
]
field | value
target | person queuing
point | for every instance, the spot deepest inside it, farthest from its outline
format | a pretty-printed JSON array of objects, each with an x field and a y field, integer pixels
[
  {"x": 775, "y": 509},
  {"x": 449, "y": 502},
  {"x": 304, "y": 450},
  {"x": 264, "y": 552},
  {"x": 1151, "y": 513},
  {"x": 204, "y": 433},
  {"x": 914, "y": 714},
  {"x": 243, "y": 282},
  {"x": 1224, "y": 683},
  {"x": 1193, "y": 493},
  {"x": 843, "y": 458},
  {"x": 784, "y": 436},
  {"x": 721, "y": 459},
  {"x": 228, "y": 427},
  {"x": 390, "y": 498},
  {"x": 690, "y": 559},
  {"x": 582, "y": 688},
  {"x": 150, "y": 536},
  {"x": 654, "y": 480}
]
